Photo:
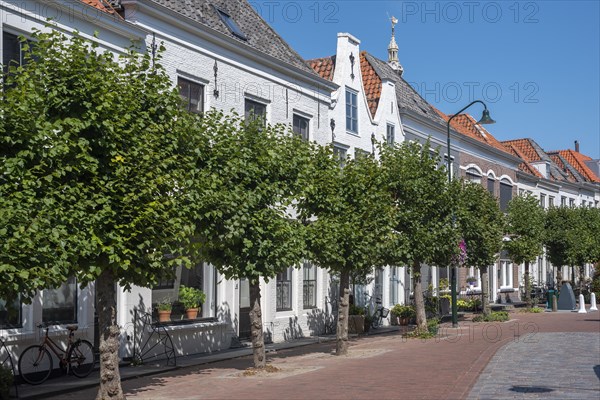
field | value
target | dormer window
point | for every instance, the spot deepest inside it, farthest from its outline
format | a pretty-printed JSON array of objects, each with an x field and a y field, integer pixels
[{"x": 231, "y": 24}]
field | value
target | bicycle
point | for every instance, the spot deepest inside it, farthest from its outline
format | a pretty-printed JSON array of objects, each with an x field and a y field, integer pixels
[
  {"x": 35, "y": 363},
  {"x": 379, "y": 315}
]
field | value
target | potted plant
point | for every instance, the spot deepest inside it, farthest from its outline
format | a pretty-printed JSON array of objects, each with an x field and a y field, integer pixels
[
  {"x": 403, "y": 313},
  {"x": 164, "y": 310},
  {"x": 471, "y": 280},
  {"x": 191, "y": 298},
  {"x": 356, "y": 319}
]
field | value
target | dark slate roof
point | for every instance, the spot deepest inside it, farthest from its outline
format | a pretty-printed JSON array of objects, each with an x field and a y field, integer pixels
[
  {"x": 406, "y": 96},
  {"x": 260, "y": 35}
]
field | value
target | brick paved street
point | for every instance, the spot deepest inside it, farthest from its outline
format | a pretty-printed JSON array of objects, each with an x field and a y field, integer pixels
[
  {"x": 390, "y": 367},
  {"x": 558, "y": 365}
]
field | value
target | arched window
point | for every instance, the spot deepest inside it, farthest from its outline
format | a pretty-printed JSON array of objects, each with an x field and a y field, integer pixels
[
  {"x": 505, "y": 193},
  {"x": 491, "y": 184},
  {"x": 472, "y": 175}
]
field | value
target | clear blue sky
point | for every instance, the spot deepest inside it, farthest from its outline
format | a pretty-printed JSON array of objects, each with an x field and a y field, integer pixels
[{"x": 535, "y": 63}]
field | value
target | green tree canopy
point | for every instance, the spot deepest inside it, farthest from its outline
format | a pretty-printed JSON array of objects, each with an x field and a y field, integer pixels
[
  {"x": 245, "y": 221},
  {"x": 481, "y": 225},
  {"x": 525, "y": 226},
  {"x": 95, "y": 155},
  {"x": 347, "y": 212},
  {"x": 424, "y": 205}
]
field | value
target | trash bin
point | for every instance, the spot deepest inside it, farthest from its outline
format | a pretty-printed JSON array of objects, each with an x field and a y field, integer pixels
[{"x": 549, "y": 300}]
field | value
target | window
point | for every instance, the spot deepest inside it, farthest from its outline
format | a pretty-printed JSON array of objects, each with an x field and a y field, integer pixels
[
  {"x": 473, "y": 175},
  {"x": 583, "y": 203},
  {"x": 358, "y": 153},
  {"x": 10, "y": 313},
  {"x": 571, "y": 203},
  {"x": 340, "y": 153},
  {"x": 255, "y": 111},
  {"x": 505, "y": 194},
  {"x": 309, "y": 285},
  {"x": 505, "y": 273},
  {"x": 231, "y": 24},
  {"x": 491, "y": 185},
  {"x": 542, "y": 200},
  {"x": 390, "y": 136},
  {"x": 300, "y": 126},
  {"x": 59, "y": 305},
  {"x": 284, "y": 290},
  {"x": 394, "y": 280},
  {"x": 11, "y": 49},
  {"x": 551, "y": 201},
  {"x": 166, "y": 282},
  {"x": 563, "y": 201},
  {"x": 192, "y": 95},
  {"x": 351, "y": 111},
  {"x": 521, "y": 192}
]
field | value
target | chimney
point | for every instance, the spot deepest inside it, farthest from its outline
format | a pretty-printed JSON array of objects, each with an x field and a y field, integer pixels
[{"x": 577, "y": 146}]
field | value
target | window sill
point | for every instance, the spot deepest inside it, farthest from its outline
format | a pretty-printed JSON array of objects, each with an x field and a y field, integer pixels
[
  {"x": 507, "y": 289},
  {"x": 353, "y": 133},
  {"x": 191, "y": 325}
]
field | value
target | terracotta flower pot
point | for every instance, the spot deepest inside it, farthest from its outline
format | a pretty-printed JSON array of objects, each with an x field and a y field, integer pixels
[
  {"x": 164, "y": 315},
  {"x": 192, "y": 313}
]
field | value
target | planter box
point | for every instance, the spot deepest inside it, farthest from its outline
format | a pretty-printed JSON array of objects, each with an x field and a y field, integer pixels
[{"x": 356, "y": 324}]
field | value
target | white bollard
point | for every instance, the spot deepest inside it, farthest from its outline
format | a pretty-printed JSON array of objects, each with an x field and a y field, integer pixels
[
  {"x": 581, "y": 305},
  {"x": 593, "y": 301}
]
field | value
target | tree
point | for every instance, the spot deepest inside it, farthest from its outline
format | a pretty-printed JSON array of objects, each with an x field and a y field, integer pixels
[
  {"x": 347, "y": 212},
  {"x": 558, "y": 221},
  {"x": 95, "y": 152},
  {"x": 482, "y": 227},
  {"x": 525, "y": 226},
  {"x": 422, "y": 219},
  {"x": 245, "y": 221}
]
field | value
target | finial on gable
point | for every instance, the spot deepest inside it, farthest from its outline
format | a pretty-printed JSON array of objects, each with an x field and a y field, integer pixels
[{"x": 393, "y": 49}]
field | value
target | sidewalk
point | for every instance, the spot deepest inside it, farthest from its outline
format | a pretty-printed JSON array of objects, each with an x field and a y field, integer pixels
[
  {"x": 384, "y": 366},
  {"x": 65, "y": 384}
]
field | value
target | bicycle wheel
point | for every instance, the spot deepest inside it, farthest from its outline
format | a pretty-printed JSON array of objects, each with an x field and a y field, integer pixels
[
  {"x": 35, "y": 364},
  {"x": 81, "y": 358}
]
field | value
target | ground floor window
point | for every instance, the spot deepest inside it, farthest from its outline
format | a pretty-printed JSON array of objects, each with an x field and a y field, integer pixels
[
  {"x": 10, "y": 313},
  {"x": 394, "y": 281},
  {"x": 309, "y": 285},
  {"x": 284, "y": 290},
  {"x": 59, "y": 305},
  {"x": 167, "y": 289},
  {"x": 505, "y": 274}
]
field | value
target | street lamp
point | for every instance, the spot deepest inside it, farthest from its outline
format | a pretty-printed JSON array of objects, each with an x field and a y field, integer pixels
[{"x": 485, "y": 119}]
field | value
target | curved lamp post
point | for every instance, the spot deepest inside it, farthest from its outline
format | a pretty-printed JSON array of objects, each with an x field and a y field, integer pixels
[{"x": 485, "y": 119}]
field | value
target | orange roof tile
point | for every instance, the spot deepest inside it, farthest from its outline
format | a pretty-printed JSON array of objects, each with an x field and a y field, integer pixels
[
  {"x": 524, "y": 166},
  {"x": 524, "y": 147},
  {"x": 102, "y": 5},
  {"x": 466, "y": 125},
  {"x": 560, "y": 164},
  {"x": 577, "y": 161},
  {"x": 371, "y": 83},
  {"x": 325, "y": 67}
]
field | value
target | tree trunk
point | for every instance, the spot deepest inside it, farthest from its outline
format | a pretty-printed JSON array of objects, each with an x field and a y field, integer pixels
[
  {"x": 527, "y": 285},
  {"x": 418, "y": 293},
  {"x": 110, "y": 378},
  {"x": 581, "y": 277},
  {"x": 485, "y": 288},
  {"x": 341, "y": 348},
  {"x": 256, "y": 326},
  {"x": 559, "y": 278}
]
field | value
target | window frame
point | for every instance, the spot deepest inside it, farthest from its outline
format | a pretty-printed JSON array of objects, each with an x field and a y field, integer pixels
[
  {"x": 47, "y": 319},
  {"x": 251, "y": 115},
  {"x": 231, "y": 24},
  {"x": 340, "y": 152},
  {"x": 309, "y": 286},
  {"x": 300, "y": 118},
  {"x": 188, "y": 101},
  {"x": 351, "y": 111},
  {"x": 284, "y": 279},
  {"x": 390, "y": 134},
  {"x": 504, "y": 183},
  {"x": 472, "y": 175},
  {"x": 17, "y": 322}
]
